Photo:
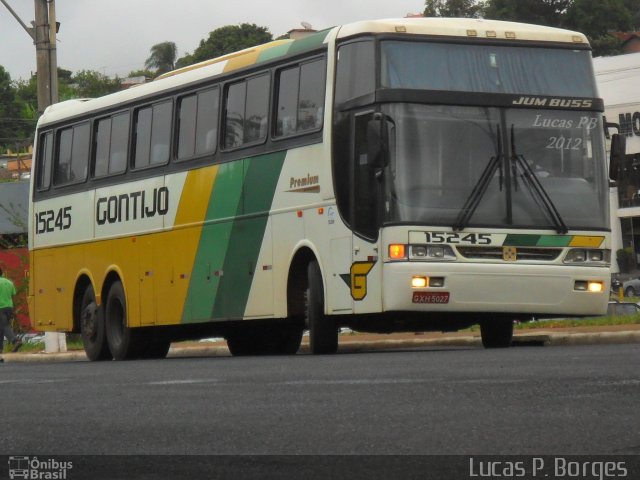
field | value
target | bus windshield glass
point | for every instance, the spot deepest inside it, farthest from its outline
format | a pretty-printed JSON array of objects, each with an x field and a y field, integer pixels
[
  {"x": 441, "y": 155},
  {"x": 487, "y": 69}
]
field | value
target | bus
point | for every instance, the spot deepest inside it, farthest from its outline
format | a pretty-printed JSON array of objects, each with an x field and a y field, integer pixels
[{"x": 382, "y": 176}]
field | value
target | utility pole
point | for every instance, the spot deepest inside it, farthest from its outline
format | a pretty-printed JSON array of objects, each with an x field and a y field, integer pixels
[
  {"x": 46, "y": 55},
  {"x": 43, "y": 35}
]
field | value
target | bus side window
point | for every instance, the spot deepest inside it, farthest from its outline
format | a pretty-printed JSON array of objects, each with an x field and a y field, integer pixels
[
  {"x": 311, "y": 101},
  {"x": 44, "y": 161},
  {"x": 198, "y": 124},
  {"x": 246, "y": 111},
  {"x": 300, "y": 102},
  {"x": 73, "y": 155},
  {"x": 119, "y": 143},
  {"x": 153, "y": 134},
  {"x": 207, "y": 121}
]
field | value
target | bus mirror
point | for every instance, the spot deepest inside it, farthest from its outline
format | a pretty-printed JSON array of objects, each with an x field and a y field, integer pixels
[{"x": 618, "y": 152}]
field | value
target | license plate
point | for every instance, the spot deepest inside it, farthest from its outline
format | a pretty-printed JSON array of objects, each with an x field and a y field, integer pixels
[{"x": 430, "y": 297}]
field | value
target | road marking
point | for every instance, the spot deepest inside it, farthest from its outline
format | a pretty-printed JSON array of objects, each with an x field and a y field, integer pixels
[{"x": 184, "y": 382}]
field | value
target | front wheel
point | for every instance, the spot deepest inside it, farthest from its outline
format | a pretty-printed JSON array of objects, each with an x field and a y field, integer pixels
[
  {"x": 92, "y": 327},
  {"x": 323, "y": 331},
  {"x": 496, "y": 333},
  {"x": 630, "y": 292}
]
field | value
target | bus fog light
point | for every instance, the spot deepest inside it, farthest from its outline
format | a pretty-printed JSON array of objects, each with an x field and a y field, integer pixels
[
  {"x": 596, "y": 287},
  {"x": 581, "y": 286},
  {"x": 436, "y": 281},
  {"x": 419, "y": 282}
]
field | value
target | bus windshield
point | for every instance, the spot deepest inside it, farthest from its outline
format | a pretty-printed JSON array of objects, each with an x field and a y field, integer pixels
[
  {"x": 440, "y": 154},
  {"x": 487, "y": 69}
]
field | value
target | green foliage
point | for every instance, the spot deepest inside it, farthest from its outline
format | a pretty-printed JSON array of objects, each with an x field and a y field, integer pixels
[
  {"x": 141, "y": 73},
  {"x": 89, "y": 83},
  {"x": 540, "y": 12},
  {"x": 15, "y": 128},
  {"x": 453, "y": 8},
  {"x": 597, "y": 19},
  {"x": 230, "y": 38},
  {"x": 163, "y": 57}
]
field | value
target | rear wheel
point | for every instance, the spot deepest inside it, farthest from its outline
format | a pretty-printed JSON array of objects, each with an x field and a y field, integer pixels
[
  {"x": 630, "y": 292},
  {"x": 497, "y": 333},
  {"x": 92, "y": 328},
  {"x": 124, "y": 342},
  {"x": 323, "y": 331},
  {"x": 155, "y": 346}
]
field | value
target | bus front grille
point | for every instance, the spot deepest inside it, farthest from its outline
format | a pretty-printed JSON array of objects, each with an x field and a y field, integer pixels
[{"x": 523, "y": 254}]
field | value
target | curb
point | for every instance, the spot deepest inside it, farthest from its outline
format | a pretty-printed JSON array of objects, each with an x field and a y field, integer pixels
[{"x": 521, "y": 340}]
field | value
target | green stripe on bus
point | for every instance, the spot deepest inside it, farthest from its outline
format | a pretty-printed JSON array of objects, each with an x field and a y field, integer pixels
[
  {"x": 523, "y": 240},
  {"x": 309, "y": 42},
  {"x": 224, "y": 205},
  {"x": 240, "y": 264},
  {"x": 273, "y": 52}
]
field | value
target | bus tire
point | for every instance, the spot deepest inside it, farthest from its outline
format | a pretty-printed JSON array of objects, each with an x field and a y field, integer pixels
[
  {"x": 284, "y": 339},
  {"x": 242, "y": 343},
  {"x": 92, "y": 328},
  {"x": 155, "y": 347},
  {"x": 124, "y": 342},
  {"x": 497, "y": 333},
  {"x": 323, "y": 331}
]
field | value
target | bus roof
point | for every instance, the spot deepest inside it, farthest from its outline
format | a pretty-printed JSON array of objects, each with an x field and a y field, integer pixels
[
  {"x": 466, "y": 28},
  {"x": 453, "y": 27}
]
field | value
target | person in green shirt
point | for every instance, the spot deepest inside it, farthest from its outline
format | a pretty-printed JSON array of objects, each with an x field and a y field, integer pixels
[{"x": 7, "y": 291}]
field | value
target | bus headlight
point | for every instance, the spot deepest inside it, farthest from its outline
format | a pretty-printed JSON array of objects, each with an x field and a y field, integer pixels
[
  {"x": 587, "y": 256},
  {"x": 432, "y": 253}
]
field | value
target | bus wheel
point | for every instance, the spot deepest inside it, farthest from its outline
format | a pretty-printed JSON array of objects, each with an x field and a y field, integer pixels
[
  {"x": 323, "y": 331},
  {"x": 496, "y": 333},
  {"x": 284, "y": 339},
  {"x": 123, "y": 341},
  {"x": 92, "y": 328},
  {"x": 155, "y": 347}
]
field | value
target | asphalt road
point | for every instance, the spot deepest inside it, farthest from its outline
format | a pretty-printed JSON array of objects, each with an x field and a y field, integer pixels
[{"x": 525, "y": 400}]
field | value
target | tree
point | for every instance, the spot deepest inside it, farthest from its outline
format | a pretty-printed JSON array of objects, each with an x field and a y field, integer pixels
[
  {"x": 540, "y": 12},
  {"x": 163, "y": 57},
  {"x": 453, "y": 8},
  {"x": 141, "y": 73},
  {"x": 596, "y": 18},
  {"x": 11, "y": 125},
  {"x": 91, "y": 84},
  {"x": 230, "y": 38}
]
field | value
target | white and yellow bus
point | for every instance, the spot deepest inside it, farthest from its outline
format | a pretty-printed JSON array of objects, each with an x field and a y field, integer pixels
[{"x": 406, "y": 174}]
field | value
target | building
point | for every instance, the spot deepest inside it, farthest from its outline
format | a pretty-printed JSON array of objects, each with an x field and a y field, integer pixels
[
  {"x": 630, "y": 41},
  {"x": 618, "y": 80},
  {"x": 14, "y": 256}
]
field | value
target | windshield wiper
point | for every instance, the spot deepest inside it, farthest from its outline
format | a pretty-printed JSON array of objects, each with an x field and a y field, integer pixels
[
  {"x": 535, "y": 187},
  {"x": 473, "y": 200}
]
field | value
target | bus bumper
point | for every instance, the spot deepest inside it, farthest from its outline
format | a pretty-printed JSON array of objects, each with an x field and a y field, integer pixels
[{"x": 528, "y": 289}]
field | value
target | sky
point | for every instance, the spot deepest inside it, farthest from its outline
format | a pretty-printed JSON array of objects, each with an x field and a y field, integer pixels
[{"x": 114, "y": 37}]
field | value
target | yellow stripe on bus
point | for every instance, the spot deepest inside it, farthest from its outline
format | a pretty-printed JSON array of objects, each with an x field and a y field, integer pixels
[
  {"x": 585, "y": 241},
  {"x": 184, "y": 238}
]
